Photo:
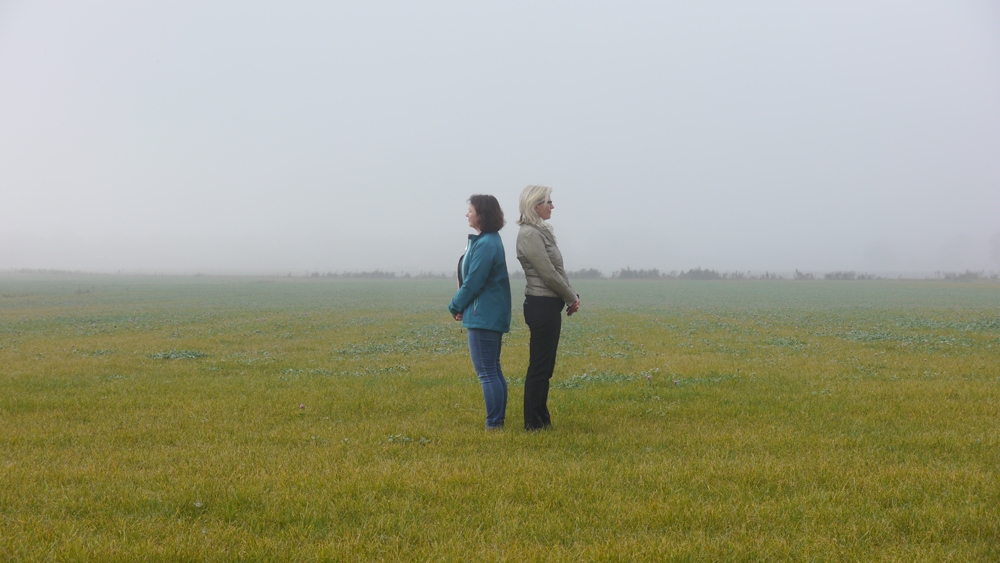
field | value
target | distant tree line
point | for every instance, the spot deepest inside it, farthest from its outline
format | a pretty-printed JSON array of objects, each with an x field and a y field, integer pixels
[
  {"x": 379, "y": 275},
  {"x": 848, "y": 276},
  {"x": 803, "y": 276},
  {"x": 627, "y": 273},
  {"x": 967, "y": 276},
  {"x": 630, "y": 274},
  {"x": 699, "y": 273}
]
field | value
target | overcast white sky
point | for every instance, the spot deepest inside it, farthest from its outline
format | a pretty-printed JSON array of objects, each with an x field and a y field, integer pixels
[{"x": 274, "y": 137}]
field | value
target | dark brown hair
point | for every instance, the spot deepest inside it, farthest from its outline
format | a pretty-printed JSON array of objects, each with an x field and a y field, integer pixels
[{"x": 489, "y": 213}]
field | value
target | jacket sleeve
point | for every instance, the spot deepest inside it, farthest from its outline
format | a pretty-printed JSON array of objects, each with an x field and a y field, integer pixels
[
  {"x": 480, "y": 260},
  {"x": 533, "y": 250}
]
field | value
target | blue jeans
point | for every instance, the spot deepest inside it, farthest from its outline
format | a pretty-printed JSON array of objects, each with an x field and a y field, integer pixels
[{"x": 484, "y": 348}]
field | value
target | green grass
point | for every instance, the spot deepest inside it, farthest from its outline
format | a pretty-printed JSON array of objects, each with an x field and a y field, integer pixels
[{"x": 214, "y": 419}]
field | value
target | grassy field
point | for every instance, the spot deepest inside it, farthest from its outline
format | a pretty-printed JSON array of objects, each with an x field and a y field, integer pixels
[{"x": 218, "y": 419}]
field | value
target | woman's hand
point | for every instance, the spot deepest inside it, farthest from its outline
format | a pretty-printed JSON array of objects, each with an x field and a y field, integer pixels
[
  {"x": 458, "y": 316},
  {"x": 574, "y": 307}
]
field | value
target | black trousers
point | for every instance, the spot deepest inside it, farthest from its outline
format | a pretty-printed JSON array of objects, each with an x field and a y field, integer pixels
[{"x": 543, "y": 315}]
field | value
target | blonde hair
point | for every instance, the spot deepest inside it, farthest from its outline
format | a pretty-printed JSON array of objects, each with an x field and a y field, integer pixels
[{"x": 531, "y": 197}]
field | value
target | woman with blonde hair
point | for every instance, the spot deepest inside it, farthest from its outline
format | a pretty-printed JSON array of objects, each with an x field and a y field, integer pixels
[{"x": 545, "y": 294}]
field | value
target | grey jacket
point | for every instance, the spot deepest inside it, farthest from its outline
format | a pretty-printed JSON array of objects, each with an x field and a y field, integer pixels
[{"x": 543, "y": 264}]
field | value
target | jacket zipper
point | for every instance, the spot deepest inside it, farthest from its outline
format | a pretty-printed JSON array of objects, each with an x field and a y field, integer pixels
[{"x": 465, "y": 266}]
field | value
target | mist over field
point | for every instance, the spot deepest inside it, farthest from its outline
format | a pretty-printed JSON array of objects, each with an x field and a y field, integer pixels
[{"x": 255, "y": 137}]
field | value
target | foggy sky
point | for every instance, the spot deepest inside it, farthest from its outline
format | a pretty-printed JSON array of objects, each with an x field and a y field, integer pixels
[{"x": 265, "y": 137}]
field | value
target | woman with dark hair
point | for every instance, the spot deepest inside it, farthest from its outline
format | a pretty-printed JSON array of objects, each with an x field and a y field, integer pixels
[
  {"x": 482, "y": 302},
  {"x": 546, "y": 292}
]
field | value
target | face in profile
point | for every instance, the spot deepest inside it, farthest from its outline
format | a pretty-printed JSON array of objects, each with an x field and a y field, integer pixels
[
  {"x": 544, "y": 209},
  {"x": 473, "y": 217}
]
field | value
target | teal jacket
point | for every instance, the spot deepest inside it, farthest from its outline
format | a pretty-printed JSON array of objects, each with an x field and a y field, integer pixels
[{"x": 484, "y": 298}]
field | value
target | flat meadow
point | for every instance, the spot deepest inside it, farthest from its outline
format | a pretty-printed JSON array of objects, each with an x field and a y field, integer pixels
[{"x": 272, "y": 419}]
